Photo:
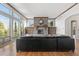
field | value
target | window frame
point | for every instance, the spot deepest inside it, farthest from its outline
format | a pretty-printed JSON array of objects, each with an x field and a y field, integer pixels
[
  {"x": 49, "y": 20},
  {"x": 11, "y": 18}
]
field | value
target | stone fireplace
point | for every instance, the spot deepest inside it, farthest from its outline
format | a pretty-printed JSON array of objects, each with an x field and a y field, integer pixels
[
  {"x": 40, "y": 31},
  {"x": 41, "y": 26}
]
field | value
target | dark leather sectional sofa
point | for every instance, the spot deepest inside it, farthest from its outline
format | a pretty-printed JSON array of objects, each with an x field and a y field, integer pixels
[{"x": 58, "y": 43}]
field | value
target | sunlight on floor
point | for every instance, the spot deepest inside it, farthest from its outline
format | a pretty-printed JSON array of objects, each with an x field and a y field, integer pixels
[{"x": 9, "y": 50}]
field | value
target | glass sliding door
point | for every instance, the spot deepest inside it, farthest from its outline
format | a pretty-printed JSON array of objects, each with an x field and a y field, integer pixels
[
  {"x": 15, "y": 29},
  {"x": 4, "y": 29},
  {"x": 19, "y": 29},
  {"x": 22, "y": 28},
  {"x": 11, "y": 26},
  {"x": 16, "y": 25}
]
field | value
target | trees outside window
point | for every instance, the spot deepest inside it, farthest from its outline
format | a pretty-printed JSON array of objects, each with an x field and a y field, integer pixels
[
  {"x": 51, "y": 23},
  {"x": 15, "y": 28},
  {"x": 4, "y": 26}
]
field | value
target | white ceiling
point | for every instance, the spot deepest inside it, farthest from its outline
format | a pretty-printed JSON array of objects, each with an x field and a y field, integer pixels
[{"x": 51, "y": 10}]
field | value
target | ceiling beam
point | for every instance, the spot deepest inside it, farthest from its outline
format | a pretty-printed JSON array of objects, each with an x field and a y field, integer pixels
[{"x": 66, "y": 10}]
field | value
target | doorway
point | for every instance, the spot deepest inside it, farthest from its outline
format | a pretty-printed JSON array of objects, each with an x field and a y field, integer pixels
[{"x": 73, "y": 28}]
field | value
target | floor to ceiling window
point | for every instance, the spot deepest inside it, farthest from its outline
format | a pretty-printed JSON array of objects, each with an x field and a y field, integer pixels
[
  {"x": 16, "y": 26},
  {"x": 4, "y": 29},
  {"x": 4, "y": 24},
  {"x": 10, "y": 24},
  {"x": 22, "y": 27}
]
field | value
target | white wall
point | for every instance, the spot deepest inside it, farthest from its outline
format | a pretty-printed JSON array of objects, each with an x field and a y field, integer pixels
[
  {"x": 68, "y": 25},
  {"x": 60, "y": 21}
]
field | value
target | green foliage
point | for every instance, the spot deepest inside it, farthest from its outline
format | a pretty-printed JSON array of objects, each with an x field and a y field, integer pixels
[
  {"x": 1, "y": 25},
  {"x": 16, "y": 29},
  {"x": 51, "y": 23},
  {"x": 3, "y": 31}
]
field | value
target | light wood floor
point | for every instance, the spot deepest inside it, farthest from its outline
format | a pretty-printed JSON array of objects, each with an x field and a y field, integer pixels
[
  {"x": 8, "y": 50},
  {"x": 70, "y": 53}
]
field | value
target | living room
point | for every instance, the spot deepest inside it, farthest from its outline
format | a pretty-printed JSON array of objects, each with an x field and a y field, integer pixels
[{"x": 39, "y": 29}]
